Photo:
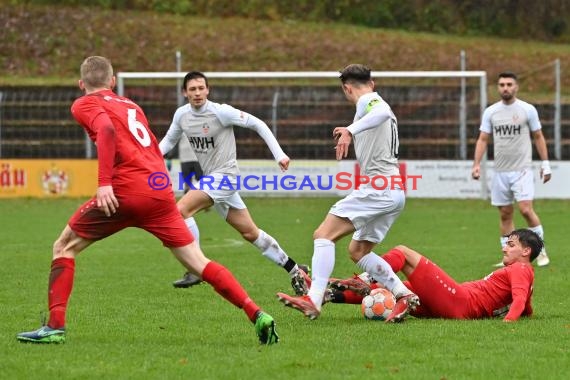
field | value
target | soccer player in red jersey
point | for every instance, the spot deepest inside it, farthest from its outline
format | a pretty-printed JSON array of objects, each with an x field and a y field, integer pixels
[
  {"x": 129, "y": 195},
  {"x": 506, "y": 292}
]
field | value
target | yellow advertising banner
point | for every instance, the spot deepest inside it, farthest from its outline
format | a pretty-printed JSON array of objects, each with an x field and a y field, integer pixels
[{"x": 45, "y": 178}]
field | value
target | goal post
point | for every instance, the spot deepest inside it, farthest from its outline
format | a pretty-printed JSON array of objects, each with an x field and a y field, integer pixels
[{"x": 438, "y": 111}]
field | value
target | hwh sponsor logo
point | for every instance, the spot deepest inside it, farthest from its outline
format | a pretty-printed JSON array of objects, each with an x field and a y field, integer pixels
[
  {"x": 507, "y": 130},
  {"x": 202, "y": 143}
]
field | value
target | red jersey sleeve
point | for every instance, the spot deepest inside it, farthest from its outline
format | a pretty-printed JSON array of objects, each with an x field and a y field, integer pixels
[
  {"x": 521, "y": 278},
  {"x": 84, "y": 111},
  {"x": 94, "y": 119},
  {"x": 528, "y": 307},
  {"x": 106, "y": 148}
]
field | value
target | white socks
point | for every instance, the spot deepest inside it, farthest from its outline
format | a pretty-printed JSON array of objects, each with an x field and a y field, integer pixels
[
  {"x": 270, "y": 248},
  {"x": 193, "y": 227},
  {"x": 381, "y": 271},
  {"x": 323, "y": 265},
  {"x": 538, "y": 230},
  {"x": 503, "y": 241}
]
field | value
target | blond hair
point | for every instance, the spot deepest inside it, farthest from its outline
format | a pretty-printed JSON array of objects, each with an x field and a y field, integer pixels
[{"x": 96, "y": 72}]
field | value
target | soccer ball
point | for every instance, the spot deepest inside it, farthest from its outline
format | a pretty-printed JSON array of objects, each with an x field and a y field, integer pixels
[{"x": 378, "y": 304}]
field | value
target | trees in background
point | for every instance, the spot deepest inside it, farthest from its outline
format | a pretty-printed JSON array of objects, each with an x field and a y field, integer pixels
[{"x": 540, "y": 20}]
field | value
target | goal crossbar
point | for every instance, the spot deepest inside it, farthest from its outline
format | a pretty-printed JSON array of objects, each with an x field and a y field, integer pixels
[{"x": 304, "y": 74}]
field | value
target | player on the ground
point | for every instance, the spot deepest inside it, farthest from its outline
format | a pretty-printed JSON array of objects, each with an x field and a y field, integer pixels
[
  {"x": 506, "y": 292},
  {"x": 128, "y": 157},
  {"x": 512, "y": 121},
  {"x": 367, "y": 212},
  {"x": 209, "y": 127}
]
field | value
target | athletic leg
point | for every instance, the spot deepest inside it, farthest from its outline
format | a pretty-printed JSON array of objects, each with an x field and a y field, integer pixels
[
  {"x": 225, "y": 284},
  {"x": 192, "y": 202}
]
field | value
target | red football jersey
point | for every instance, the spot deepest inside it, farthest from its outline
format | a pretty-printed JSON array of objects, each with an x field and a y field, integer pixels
[
  {"x": 508, "y": 286},
  {"x": 137, "y": 157}
]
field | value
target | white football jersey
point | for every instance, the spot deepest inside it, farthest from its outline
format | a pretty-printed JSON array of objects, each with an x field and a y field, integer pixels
[
  {"x": 377, "y": 148},
  {"x": 210, "y": 132},
  {"x": 185, "y": 151},
  {"x": 511, "y": 126}
]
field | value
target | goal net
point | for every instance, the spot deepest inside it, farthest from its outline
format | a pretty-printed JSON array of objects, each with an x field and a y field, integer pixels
[{"x": 438, "y": 111}]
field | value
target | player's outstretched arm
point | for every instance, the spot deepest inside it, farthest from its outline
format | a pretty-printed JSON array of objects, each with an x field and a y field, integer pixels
[{"x": 264, "y": 132}]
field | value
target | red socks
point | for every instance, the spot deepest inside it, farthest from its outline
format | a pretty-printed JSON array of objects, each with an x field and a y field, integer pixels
[
  {"x": 61, "y": 284},
  {"x": 352, "y": 297},
  {"x": 59, "y": 290},
  {"x": 395, "y": 258},
  {"x": 223, "y": 281}
]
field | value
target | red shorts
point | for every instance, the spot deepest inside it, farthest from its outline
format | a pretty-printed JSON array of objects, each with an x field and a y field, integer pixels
[
  {"x": 160, "y": 217},
  {"x": 440, "y": 295}
]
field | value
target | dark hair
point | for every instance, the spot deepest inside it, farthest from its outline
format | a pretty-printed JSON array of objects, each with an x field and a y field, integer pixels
[
  {"x": 528, "y": 239},
  {"x": 355, "y": 73},
  {"x": 508, "y": 74},
  {"x": 193, "y": 75}
]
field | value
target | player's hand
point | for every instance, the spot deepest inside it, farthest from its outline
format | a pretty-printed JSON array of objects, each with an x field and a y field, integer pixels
[
  {"x": 343, "y": 139},
  {"x": 106, "y": 200},
  {"x": 476, "y": 172},
  {"x": 284, "y": 163},
  {"x": 545, "y": 171}
]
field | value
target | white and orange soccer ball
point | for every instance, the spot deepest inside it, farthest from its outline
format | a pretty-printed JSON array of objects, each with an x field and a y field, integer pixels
[{"x": 378, "y": 304}]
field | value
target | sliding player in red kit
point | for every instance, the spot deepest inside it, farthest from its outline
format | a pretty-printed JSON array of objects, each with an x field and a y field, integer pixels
[
  {"x": 506, "y": 292},
  {"x": 128, "y": 195}
]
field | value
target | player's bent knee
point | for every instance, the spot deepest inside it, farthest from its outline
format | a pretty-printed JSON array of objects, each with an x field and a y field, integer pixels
[
  {"x": 356, "y": 255},
  {"x": 323, "y": 234},
  {"x": 527, "y": 211},
  {"x": 182, "y": 210},
  {"x": 250, "y": 236},
  {"x": 506, "y": 213},
  {"x": 65, "y": 248},
  {"x": 57, "y": 248}
]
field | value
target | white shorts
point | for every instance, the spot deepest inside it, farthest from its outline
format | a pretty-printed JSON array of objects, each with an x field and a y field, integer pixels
[
  {"x": 222, "y": 188},
  {"x": 371, "y": 211},
  {"x": 508, "y": 186}
]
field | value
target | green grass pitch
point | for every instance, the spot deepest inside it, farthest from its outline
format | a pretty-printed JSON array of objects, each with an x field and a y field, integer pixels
[{"x": 126, "y": 321}]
